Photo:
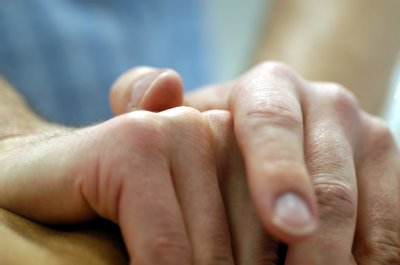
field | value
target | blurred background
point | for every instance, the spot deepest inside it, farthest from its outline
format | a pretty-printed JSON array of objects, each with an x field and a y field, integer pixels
[{"x": 63, "y": 56}]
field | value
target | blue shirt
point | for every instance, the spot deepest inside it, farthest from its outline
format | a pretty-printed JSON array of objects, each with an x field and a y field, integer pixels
[{"x": 63, "y": 56}]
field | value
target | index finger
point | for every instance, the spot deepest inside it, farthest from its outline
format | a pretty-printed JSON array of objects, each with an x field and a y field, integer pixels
[{"x": 266, "y": 105}]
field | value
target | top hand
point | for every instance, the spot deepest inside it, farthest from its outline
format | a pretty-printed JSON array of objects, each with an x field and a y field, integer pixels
[{"x": 305, "y": 144}]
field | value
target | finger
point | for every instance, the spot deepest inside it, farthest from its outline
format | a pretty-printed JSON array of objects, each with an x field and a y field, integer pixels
[
  {"x": 130, "y": 185},
  {"x": 377, "y": 238},
  {"x": 146, "y": 88},
  {"x": 134, "y": 188},
  {"x": 210, "y": 97},
  {"x": 331, "y": 119},
  {"x": 196, "y": 183},
  {"x": 269, "y": 130},
  {"x": 251, "y": 244}
]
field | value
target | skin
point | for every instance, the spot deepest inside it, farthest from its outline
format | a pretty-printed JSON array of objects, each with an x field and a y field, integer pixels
[
  {"x": 350, "y": 156},
  {"x": 342, "y": 161},
  {"x": 133, "y": 164},
  {"x": 343, "y": 156},
  {"x": 141, "y": 162},
  {"x": 26, "y": 242}
]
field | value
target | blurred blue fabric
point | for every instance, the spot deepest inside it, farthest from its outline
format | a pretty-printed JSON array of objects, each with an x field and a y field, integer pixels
[{"x": 64, "y": 55}]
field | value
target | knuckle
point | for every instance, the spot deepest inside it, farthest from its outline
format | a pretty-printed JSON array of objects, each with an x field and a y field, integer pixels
[
  {"x": 170, "y": 248},
  {"x": 190, "y": 123},
  {"x": 187, "y": 114},
  {"x": 343, "y": 101},
  {"x": 222, "y": 118},
  {"x": 136, "y": 130},
  {"x": 342, "y": 108},
  {"x": 336, "y": 202},
  {"x": 276, "y": 69},
  {"x": 137, "y": 135},
  {"x": 197, "y": 121},
  {"x": 278, "y": 103},
  {"x": 275, "y": 114},
  {"x": 221, "y": 124},
  {"x": 380, "y": 139},
  {"x": 382, "y": 248}
]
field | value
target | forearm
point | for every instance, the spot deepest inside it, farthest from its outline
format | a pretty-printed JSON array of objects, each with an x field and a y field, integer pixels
[
  {"x": 20, "y": 126},
  {"x": 350, "y": 42}
]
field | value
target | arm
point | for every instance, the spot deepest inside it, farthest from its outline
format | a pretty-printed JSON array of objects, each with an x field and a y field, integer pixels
[
  {"x": 152, "y": 174},
  {"x": 354, "y": 43},
  {"x": 26, "y": 242}
]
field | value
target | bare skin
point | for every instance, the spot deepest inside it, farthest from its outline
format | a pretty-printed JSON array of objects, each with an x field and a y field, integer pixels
[
  {"x": 294, "y": 138},
  {"x": 294, "y": 134},
  {"x": 157, "y": 176}
]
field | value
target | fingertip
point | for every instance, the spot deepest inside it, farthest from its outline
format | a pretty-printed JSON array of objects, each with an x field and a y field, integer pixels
[
  {"x": 292, "y": 214},
  {"x": 165, "y": 92},
  {"x": 287, "y": 207},
  {"x": 290, "y": 219},
  {"x": 146, "y": 88},
  {"x": 121, "y": 89}
]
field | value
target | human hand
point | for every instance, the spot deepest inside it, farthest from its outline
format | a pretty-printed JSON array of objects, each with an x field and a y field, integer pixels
[
  {"x": 250, "y": 242},
  {"x": 307, "y": 138},
  {"x": 153, "y": 174}
]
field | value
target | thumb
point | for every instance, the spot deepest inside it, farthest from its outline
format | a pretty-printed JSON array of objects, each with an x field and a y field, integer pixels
[{"x": 146, "y": 88}]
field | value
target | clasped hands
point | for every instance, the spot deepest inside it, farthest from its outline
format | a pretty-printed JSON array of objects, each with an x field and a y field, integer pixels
[{"x": 281, "y": 160}]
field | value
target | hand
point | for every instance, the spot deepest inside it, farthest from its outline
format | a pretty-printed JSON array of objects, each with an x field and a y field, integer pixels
[
  {"x": 250, "y": 242},
  {"x": 307, "y": 141},
  {"x": 57, "y": 175},
  {"x": 153, "y": 174}
]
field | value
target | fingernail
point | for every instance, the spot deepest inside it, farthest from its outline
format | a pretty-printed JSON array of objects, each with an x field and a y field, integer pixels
[
  {"x": 142, "y": 87},
  {"x": 293, "y": 215}
]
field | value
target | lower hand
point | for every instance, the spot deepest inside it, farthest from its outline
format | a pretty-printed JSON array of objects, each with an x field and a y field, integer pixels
[{"x": 153, "y": 174}]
